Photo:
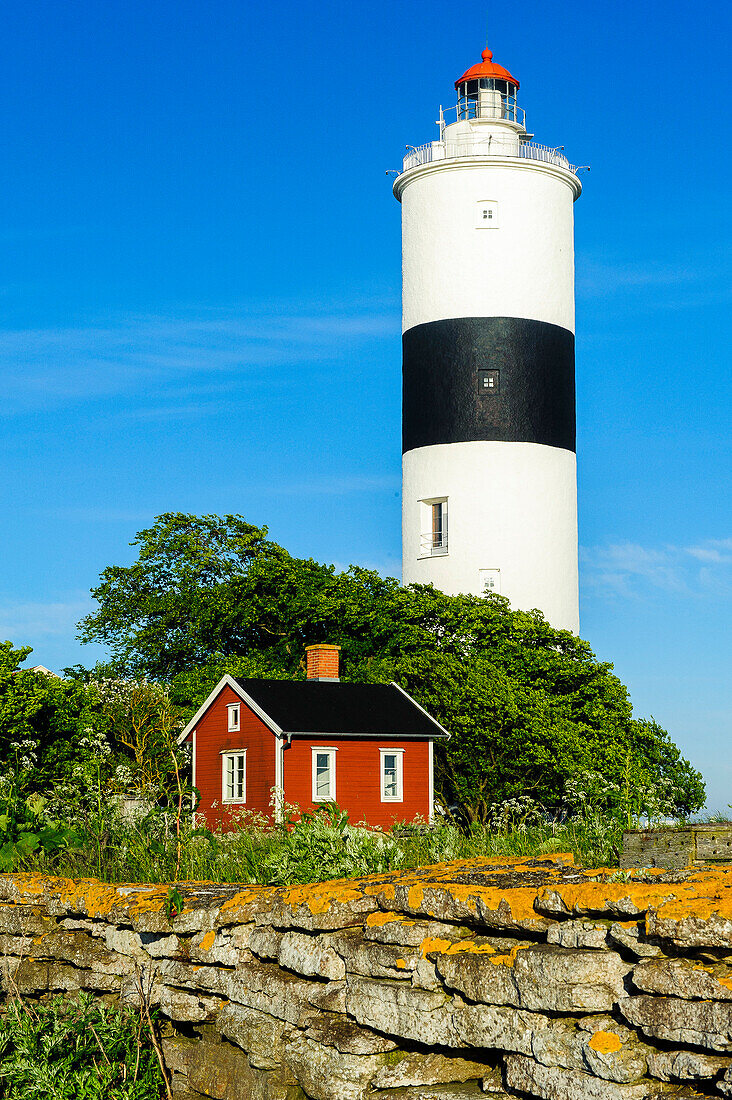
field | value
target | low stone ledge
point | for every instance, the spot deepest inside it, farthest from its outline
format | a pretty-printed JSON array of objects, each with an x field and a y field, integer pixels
[{"x": 526, "y": 977}]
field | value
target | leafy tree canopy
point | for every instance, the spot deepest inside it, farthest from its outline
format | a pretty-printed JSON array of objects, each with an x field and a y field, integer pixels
[
  {"x": 529, "y": 707},
  {"x": 42, "y": 717}
]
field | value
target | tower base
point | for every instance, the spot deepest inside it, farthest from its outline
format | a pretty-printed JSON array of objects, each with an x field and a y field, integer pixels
[{"x": 511, "y": 524}]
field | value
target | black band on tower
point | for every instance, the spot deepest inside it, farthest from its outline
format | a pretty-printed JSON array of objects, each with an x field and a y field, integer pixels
[{"x": 498, "y": 378}]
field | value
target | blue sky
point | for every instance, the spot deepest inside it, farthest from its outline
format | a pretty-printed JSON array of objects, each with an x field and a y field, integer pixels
[{"x": 200, "y": 301}]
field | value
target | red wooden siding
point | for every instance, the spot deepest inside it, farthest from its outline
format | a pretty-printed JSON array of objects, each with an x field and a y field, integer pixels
[
  {"x": 358, "y": 778},
  {"x": 213, "y": 738}
]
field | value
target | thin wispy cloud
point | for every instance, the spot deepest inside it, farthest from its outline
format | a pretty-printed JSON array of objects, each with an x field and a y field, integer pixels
[
  {"x": 129, "y": 355},
  {"x": 716, "y": 551},
  {"x": 633, "y": 571}
]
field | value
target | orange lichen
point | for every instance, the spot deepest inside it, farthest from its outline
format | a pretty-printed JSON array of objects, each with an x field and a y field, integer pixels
[
  {"x": 415, "y": 897},
  {"x": 510, "y": 958},
  {"x": 401, "y": 963},
  {"x": 318, "y": 897},
  {"x": 207, "y": 941},
  {"x": 378, "y": 920},
  {"x": 434, "y": 943},
  {"x": 605, "y": 1042},
  {"x": 437, "y": 945}
]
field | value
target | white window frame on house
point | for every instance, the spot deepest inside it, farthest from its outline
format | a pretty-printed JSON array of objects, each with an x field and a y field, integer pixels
[
  {"x": 238, "y": 790},
  {"x": 234, "y": 712},
  {"x": 433, "y": 527},
  {"x": 321, "y": 750},
  {"x": 399, "y": 761}
]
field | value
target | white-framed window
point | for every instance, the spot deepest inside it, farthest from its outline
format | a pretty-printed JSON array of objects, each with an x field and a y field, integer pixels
[
  {"x": 486, "y": 214},
  {"x": 490, "y": 581},
  {"x": 234, "y": 776},
  {"x": 392, "y": 775},
  {"x": 234, "y": 710},
  {"x": 433, "y": 527},
  {"x": 324, "y": 775}
]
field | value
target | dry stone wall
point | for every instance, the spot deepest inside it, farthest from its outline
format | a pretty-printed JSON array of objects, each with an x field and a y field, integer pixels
[{"x": 468, "y": 979}]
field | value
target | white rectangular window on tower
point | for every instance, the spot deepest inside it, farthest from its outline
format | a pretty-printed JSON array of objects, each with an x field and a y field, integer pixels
[
  {"x": 486, "y": 214},
  {"x": 490, "y": 581},
  {"x": 433, "y": 527}
]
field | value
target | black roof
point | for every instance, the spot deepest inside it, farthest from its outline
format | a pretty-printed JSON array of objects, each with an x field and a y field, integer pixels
[{"x": 330, "y": 707}]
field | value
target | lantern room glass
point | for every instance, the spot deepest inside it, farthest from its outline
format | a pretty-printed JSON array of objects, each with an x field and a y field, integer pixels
[{"x": 488, "y": 98}]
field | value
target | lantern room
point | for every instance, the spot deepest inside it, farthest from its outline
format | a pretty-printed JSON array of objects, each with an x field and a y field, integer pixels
[{"x": 487, "y": 92}]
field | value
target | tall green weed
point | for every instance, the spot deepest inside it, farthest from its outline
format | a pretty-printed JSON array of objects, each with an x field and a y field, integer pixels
[{"x": 79, "y": 1049}]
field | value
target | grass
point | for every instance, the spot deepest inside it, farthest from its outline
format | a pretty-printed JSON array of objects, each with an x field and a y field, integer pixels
[{"x": 314, "y": 848}]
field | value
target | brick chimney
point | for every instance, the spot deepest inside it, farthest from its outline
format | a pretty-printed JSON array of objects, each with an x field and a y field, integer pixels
[{"x": 323, "y": 662}]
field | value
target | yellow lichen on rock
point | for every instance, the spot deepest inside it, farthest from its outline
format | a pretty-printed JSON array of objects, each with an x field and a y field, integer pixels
[
  {"x": 434, "y": 943},
  {"x": 207, "y": 941},
  {"x": 319, "y": 897},
  {"x": 605, "y": 1042},
  {"x": 437, "y": 945},
  {"x": 378, "y": 920},
  {"x": 510, "y": 958}
]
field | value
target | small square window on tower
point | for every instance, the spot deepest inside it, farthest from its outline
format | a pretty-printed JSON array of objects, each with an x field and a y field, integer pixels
[
  {"x": 489, "y": 381},
  {"x": 486, "y": 215}
]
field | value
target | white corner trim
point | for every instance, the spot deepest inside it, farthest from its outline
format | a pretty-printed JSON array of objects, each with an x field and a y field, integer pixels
[
  {"x": 431, "y": 781},
  {"x": 278, "y": 795},
  {"x": 229, "y": 681}
]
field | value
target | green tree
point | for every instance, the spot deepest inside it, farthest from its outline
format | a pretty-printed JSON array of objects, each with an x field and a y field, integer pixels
[
  {"x": 43, "y": 716},
  {"x": 529, "y": 707}
]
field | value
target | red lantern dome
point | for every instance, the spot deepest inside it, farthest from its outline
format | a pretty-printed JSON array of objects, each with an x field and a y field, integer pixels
[{"x": 487, "y": 68}]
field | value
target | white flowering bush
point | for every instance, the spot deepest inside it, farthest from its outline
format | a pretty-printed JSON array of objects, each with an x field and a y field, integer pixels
[
  {"x": 142, "y": 723},
  {"x": 515, "y": 814}
]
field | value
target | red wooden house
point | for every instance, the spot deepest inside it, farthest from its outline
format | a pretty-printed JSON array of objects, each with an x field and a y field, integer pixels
[{"x": 367, "y": 747}]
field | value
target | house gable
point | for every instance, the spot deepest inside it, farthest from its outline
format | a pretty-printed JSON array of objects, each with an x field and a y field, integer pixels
[
  {"x": 212, "y": 739},
  {"x": 235, "y": 686}
]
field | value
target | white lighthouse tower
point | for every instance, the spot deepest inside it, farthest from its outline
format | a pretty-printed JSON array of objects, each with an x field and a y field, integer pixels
[{"x": 489, "y": 485}]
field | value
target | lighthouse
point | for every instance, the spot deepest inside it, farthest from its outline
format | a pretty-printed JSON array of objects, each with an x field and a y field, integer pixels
[{"x": 489, "y": 480}]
